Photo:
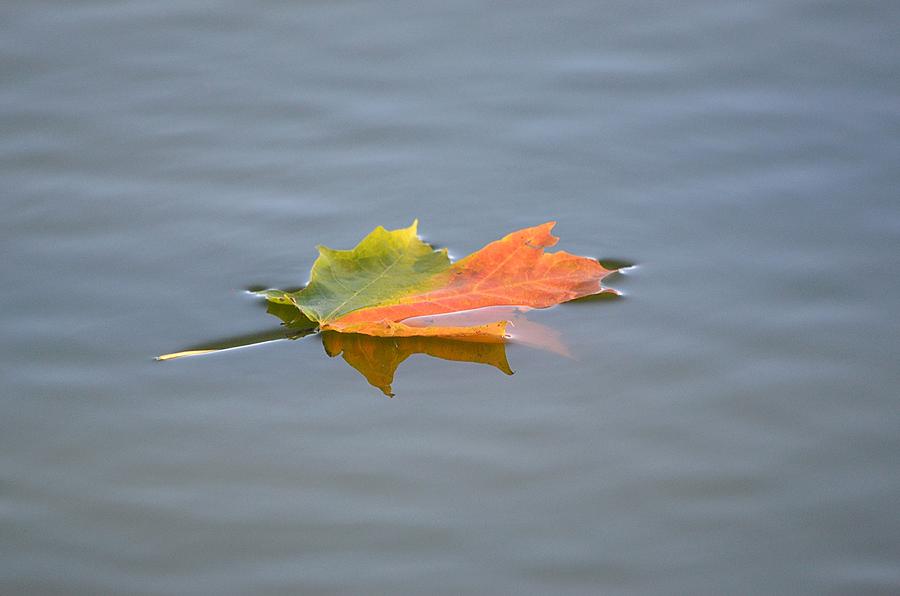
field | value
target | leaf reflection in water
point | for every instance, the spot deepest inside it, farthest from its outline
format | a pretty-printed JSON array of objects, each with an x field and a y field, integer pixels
[{"x": 377, "y": 358}]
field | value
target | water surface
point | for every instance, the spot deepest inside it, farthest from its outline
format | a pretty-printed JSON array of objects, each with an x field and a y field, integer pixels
[{"x": 730, "y": 426}]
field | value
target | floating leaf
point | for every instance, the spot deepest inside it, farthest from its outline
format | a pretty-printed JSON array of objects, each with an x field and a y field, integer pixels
[
  {"x": 391, "y": 276},
  {"x": 393, "y": 296}
]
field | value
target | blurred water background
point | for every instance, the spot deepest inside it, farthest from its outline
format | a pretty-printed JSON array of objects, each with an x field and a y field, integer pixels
[{"x": 730, "y": 426}]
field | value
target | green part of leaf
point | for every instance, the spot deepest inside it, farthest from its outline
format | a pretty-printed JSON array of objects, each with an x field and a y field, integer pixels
[
  {"x": 384, "y": 265},
  {"x": 292, "y": 317},
  {"x": 276, "y": 296}
]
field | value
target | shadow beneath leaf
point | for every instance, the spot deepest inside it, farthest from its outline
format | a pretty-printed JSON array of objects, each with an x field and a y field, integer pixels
[
  {"x": 615, "y": 264},
  {"x": 606, "y": 296},
  {"x": 294, "y": 326}
]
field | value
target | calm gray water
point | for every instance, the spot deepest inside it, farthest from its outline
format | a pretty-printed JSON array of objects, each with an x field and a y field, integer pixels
[{"x": 730, "y": 426}]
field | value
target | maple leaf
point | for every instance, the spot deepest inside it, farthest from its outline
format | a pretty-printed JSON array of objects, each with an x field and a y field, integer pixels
[{"x": 392, "y": 275}]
